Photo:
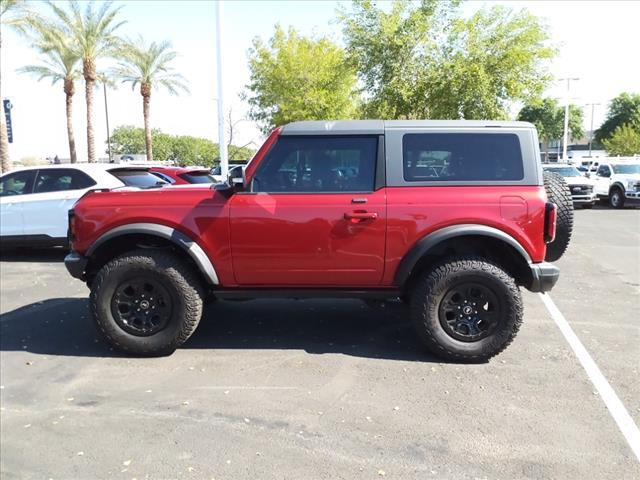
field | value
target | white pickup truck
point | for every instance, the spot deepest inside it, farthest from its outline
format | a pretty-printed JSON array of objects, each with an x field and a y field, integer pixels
[
  {"x": 580, "y": 186},
  {"x": 618, "y": 182}
]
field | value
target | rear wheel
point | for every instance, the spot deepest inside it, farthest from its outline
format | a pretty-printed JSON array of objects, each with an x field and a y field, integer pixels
[
  {"x": 146, "y": 302},
  {"x": 559, "y": 194},
  {"x": 616, "y": 198},
  {"x": 466, "y": 309}
]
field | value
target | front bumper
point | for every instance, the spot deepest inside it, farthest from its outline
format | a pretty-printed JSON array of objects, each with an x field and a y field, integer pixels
[
  {"x": 632, "y": 197},
  {"x": 75, "y": 264},
  {"x": 544, "y": 276},
  {"x": 584, "y": 199}
]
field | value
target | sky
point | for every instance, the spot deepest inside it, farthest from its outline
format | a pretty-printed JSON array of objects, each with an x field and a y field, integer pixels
[{"x": 597, "y": 43}]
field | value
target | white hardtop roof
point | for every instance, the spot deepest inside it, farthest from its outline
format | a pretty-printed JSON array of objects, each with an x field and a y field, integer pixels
[{"x": 355, "y": 127}]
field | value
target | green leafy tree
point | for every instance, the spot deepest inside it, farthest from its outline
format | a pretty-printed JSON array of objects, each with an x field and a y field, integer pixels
[
  {"x": 625, "y": 141},
  {"x": 548, "y": 117},
  {"x": 92, "y": 34},
  {"x": 423, "y": 60},
  {"x": 388, "y": 49},
  {"x": 489, "y": 61},
  {"x": 624, "y": 109},
  {"x": 294, "y": 77},
  {"x": 149, "y": 65},
  {"x": 59, "y": 65},
  {"x": 182, "y": 149}
]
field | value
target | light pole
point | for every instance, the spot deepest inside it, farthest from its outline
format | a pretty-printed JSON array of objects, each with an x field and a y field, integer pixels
[
  {"x": 565, "y": 136},
  {"x": 224, "y": 164},
  {"x": 591, "y": 129}
]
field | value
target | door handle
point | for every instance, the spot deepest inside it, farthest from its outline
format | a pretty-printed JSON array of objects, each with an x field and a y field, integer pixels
[{"x": 360, "y": 216}]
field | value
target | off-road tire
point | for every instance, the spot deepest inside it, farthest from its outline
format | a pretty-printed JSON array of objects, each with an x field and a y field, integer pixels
[
  {"x": 616, "y": 198},
  {"x": 558, "y": 192},
  {"x": 177, "y": 278},
  {"x": 434, "y": 285}
]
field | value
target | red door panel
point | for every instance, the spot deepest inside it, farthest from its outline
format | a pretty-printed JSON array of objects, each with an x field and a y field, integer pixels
[{"x": 335, "y": 239}]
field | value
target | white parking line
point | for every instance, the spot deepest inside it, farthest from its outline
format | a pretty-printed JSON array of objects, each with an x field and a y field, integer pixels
[{"x": 619, "y": 413}]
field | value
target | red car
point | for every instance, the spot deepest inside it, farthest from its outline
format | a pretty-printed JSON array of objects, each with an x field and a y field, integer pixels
[
  {"x": 450, "y": 217},
  {"x": 183, "y": 175}
]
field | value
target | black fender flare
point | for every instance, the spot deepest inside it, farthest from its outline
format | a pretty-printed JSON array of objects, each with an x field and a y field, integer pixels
[
  {"x": 176, "y": 237},
  {"x": 426, "y": 243}
]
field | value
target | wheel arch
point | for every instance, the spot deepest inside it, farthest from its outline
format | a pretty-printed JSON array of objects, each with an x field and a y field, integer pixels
[
  {"x": 617, "y": 184},
  {"x": 465, "y": 239},
  {"x": 116, "y": 241}
]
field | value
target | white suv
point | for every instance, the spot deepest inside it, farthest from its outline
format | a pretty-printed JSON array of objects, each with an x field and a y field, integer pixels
[
  {"x": 34, "y": 202},
  {"x": 619, "y": 182}
]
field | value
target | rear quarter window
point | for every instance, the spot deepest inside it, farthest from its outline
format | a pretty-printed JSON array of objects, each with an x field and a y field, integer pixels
[
  {"x": 138, "y": 178},
  {"x": 451, "y": 157}
]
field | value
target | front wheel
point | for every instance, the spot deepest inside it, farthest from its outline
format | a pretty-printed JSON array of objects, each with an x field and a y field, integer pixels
[
  {"x": 616, "y": 198},
  {"x": 146, "y": 302},
  {"x": 466, "y": 309}
]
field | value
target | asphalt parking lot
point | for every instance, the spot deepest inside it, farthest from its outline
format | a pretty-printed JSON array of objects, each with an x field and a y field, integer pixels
[{"x": 322, "y": 389}]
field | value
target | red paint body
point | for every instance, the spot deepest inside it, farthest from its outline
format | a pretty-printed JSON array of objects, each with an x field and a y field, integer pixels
[{"x": 304, "y": 239}]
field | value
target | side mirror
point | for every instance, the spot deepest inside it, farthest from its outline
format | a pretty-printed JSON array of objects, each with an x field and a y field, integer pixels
[
  {"x": 234, "y": 182},
  {"x": 235, "y": 178}
]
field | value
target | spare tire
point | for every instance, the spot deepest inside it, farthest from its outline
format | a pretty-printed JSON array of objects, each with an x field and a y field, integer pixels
[{"x": 558, "y": 192}]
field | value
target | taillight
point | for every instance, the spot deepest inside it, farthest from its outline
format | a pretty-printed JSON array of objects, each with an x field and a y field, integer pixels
[
  {"x": 71, "y": 232},
  {"x": 550, "y": 220}
]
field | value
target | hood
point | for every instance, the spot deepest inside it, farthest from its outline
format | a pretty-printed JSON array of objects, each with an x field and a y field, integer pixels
[{"x": 579, "y": 181}]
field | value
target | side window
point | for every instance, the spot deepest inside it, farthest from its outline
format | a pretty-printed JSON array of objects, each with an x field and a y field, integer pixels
[
  {"x": 17, "y": 183},
  {"x": 429, "y": 157},
  {"x": 603, "y": 171},
  {"x": 318, "y": 164},
  {"x": 61, "y": 179}
]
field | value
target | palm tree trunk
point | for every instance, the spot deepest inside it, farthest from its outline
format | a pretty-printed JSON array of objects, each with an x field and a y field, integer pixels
[
  {"x": 91, "y": 145},
  {"x": 5, "y": 163},
  {"x": 145, "y": 91},
  {"x": 69, "y": 90}
]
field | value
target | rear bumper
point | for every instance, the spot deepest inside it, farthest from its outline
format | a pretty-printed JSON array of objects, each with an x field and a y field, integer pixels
[
  {"x": 75, "y": 264},
  {"x": 544, "y": 276}
]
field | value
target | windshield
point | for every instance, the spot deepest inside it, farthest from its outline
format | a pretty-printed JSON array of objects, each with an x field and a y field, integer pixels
[
  {"x": 197, "y": 177},
  {"x": 138, "y": 178},
  {"x": 626, "y": 168},
  {"x": 564, "y": 171}
]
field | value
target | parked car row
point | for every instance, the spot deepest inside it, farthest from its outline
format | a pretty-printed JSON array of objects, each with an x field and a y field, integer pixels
[
  {"x": 615, "y": 182},
  {"x": 34, "y": 201}
]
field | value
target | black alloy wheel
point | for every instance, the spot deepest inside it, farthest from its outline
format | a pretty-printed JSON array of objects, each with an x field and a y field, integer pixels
[
  {"x": 469, "y": 312},
  {"x": 141, "y": 306}
]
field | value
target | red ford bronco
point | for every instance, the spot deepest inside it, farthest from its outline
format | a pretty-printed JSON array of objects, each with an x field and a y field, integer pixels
[{"x": 450, "y": 217}]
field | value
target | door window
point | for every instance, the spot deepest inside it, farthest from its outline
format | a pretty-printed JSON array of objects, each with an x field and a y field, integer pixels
[
  {"x": 603, "y": 171},
  {"x": 58, "y": 180},
  {"x": 299, "y": 164},
  {"x": 461, "y": 157},
  {"x": 17, "y": 183}
]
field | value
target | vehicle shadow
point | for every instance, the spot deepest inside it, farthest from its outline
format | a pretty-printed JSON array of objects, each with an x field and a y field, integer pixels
[
  {"x": 62, "y": 326},
  {"x": 35, "y": 255}
]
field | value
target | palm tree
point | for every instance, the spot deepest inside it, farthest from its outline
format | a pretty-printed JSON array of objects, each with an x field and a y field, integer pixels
[
  {"x": 59, "y": 65},
  {"x": 12, "y": 14},
  {"x": 149, "y": 66},
  {"x": 92, "y": 37}
]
